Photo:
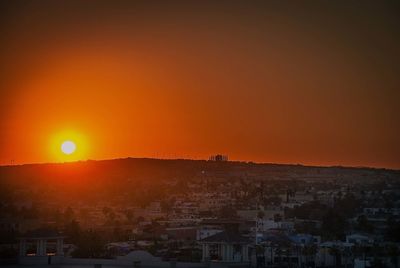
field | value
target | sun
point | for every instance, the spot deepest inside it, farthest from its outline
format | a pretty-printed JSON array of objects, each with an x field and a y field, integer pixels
[{"x": 68, "y": 147}]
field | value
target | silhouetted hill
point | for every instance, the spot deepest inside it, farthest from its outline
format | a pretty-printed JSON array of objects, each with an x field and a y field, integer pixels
[
  {"x": 119, "y": 176},
  {"x": 160, "y": 169}
]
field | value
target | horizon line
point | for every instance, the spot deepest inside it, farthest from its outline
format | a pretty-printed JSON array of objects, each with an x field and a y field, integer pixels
[{"x": 207, "y": 160}]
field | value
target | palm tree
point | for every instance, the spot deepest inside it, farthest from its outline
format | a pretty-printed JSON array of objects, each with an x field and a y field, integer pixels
[
  {"x": 393, "y": 252},
  {"x": 260, "y": 256},
  {"x": 289, "y": 250},
  {"x": 271, "y": 246},
  {"x": 346, "y": 254},
  {"x": 309, "y": 251},
  {"x": 260, "y": 214},
  {"x": 335, "y": 251},
  {"x": 279, "y": 252}
]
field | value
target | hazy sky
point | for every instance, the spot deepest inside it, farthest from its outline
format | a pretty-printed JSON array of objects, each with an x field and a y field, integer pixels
[{"x": 312, "y": 82}]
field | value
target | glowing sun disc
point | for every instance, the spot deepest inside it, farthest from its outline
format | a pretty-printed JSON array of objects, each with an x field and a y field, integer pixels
[{"x": 68, "y": 147}]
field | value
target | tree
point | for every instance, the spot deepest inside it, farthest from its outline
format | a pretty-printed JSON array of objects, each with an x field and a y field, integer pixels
[
  {"x": 273, "y": 200},
  {"x": 109, "y": 214},
  {"x": 8, "y": 253},
  {"x": 309, "y": 251},
  {"x": 227, "y": 212},
  {"x": 140, "y": 219},
  {"x": 279, "y": 252},
  {"x": 335, "y": 251},
  {"x": 90, "y": 245},
  {"x": 129, "y": 215},
  {"x": 260, "y": 214},
  {"x": 167, "y": 205},
  {"x": 348, "y": 205},
  {"x": 260, "y": 256},
  {"x": 393, "y": 252},
  {"x": 333, "y": 225},
  {"x": 84, "y": 214},
  {"x": 73, "y": 231},
  {"x": 277, "y": 217},
  {"x": 57, "y": 216},
  {"x": 69, "y": 215},
  {"x": 364, "y": 225},
  {"x": 106, "y": 211},
  {"x": 392, "y": 230}
]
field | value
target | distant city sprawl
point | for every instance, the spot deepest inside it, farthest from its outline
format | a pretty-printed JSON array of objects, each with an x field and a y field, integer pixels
[{"x": 167, "y": 212}]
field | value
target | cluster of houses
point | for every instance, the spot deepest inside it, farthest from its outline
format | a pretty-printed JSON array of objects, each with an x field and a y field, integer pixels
[
  {"x": 230, "y": 223},
  {"x": 226, "y": 242}
]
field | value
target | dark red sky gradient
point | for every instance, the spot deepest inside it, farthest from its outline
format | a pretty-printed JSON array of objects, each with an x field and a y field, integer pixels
[{"x": 313, "y": 82}]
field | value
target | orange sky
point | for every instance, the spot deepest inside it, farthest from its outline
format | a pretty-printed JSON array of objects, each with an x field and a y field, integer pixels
[{"x": 288, "y": 83}]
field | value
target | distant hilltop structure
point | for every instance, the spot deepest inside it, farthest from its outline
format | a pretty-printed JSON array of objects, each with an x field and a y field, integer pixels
[{"x": 218, "y": 158}]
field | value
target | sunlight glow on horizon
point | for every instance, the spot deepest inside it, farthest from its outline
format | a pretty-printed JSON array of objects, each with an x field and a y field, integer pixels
[{"x": 137, "y": 80}]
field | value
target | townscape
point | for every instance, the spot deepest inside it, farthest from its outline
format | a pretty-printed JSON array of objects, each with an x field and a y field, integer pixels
[
  {"x": 199, "y": 134},
  {"x": 213, "y": 213}
]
